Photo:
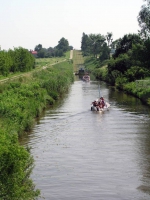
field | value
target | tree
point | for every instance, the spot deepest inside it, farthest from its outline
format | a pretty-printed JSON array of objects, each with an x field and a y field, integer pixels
[
  {"x": 136, "y": 72},
  {"x": 144, "y": 19},
  {"x": 141, "y": 53},
  {"x": 97, "y": 41},
  {"x": 38, "y": 47},
  {"x": 109, "y": 38},
  {"x": 70, "y": 47},
  {"x": 5, "y": 63},
  {"x": 23, "y": 60},
  {"x": 41, "y": 53},
  {"x": 63, "y": 45},
  {"x": 85, "y": 44},
  {"x": 125, "y": 44},
  {"x": 105, "y": 53}
]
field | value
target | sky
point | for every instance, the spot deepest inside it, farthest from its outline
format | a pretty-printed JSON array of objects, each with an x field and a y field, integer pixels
[{"x": 27, "y": 23}]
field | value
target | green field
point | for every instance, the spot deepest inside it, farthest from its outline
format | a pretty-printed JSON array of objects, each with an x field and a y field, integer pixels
[
  {"x": 40, "y": 62},
  {"x": 78, "y": 60}
]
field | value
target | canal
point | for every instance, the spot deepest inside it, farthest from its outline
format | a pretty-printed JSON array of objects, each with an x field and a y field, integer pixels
[{"x": 85, "y": 155}]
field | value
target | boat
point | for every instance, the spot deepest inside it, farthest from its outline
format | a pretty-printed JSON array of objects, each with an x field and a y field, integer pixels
[
  {"x": 100, "y": 104},
  {"x": 86, "y": 78},
  {"x": 99, "y": 108}
]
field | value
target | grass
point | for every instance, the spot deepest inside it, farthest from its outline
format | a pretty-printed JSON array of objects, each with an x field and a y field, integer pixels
[
  {"x": 143, "y": 83},
  {"x": 78, "y": 60},
  {"x": 39, "y": 63}
]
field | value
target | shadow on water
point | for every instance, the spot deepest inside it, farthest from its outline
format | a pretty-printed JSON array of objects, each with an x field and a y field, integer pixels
[{"x": 127, "y": 102}]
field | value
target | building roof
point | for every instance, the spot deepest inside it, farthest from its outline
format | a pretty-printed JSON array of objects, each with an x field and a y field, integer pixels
[{"x": 33, "y": 52}]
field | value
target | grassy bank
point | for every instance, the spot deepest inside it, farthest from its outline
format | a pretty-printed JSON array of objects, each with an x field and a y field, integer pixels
[
  {"x": 138, "y": 88},
  {"x": 21, "y": 101}
]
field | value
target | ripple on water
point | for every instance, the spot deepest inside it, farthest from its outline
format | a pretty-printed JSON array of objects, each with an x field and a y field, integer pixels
[{"x": 81, "y": 154}]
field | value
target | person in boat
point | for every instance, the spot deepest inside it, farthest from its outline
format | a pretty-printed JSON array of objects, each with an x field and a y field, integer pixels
[
  {"x": 101, "y": 102},
  {"x": 95, "y": 104}
]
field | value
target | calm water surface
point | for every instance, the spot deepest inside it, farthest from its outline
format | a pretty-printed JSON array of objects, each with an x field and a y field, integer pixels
[{"x": 80, "y": 154}]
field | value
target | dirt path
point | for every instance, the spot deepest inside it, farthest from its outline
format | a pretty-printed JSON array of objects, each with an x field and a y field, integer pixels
[
  {"x": 28, "y": 73},
  {"x": 71, "y": 54}
]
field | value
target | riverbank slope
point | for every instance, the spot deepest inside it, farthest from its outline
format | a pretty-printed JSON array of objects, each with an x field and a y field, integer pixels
[
  {"x": 23, "y": 99},
  {"x": 138, "y": 88}
]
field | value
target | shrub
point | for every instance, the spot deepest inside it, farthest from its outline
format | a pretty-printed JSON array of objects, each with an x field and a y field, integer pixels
[{"x": 15, "y": 168}]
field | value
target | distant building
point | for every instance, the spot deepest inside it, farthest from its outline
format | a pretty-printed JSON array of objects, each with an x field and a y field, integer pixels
[{"x": 34, "y": 53}]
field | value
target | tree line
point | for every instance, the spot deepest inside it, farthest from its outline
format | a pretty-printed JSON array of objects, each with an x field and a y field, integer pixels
[
  {"x": 21, "y": 60},
  {"x": 57, "y": 51},
  {"x": 131, "y": 58},
  {"x": 97, "y": 45},
  {"x": 17, "y": 60}
]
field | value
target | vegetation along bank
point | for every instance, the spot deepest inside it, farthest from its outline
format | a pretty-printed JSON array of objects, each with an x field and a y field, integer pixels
[
  {"x": 125, "y": 62},
  {"x": 128, "y": 68},
  {"x": 21, "y": 101}
]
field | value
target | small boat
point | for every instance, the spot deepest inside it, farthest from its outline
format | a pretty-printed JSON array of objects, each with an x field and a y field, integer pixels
[
  {"x": 100, "y": 108},
  {"x": 100, "y": 104},
  {"x": 86, "y": 78}
]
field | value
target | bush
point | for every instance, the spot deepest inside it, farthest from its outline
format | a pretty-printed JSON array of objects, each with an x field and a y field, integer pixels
[
  {"x": 15, "y": 168},
  {"x": 20, "y": 103}
]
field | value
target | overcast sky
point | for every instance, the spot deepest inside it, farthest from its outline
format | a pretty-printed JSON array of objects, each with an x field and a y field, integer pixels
[{"x": 27, "y": 23}]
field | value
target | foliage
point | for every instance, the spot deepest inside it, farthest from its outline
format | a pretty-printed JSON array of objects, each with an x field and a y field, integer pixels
[
  {"x": 144, "y": 19},
  {"x": 90, "y": 64},
  {"x": 21, "y": 101},
  {"x": 101, "y": 73},
  {"x": 38, "y": 47},
  {"x": 109, "y": 38},
  {"x": 15, "y": 168},
  {"x": 120, "y": 81},
  {"x": 136, "y": 72},
  {"x": 57, "y": 51},
  {"x": 105, "y": 53},
  {"x": 122, "y": 63},
  {"x": 23, "y": 60},
  {"x": 141, "y": 53},
  {"x": 85, "y": 45},
  {"x": 17, "y": 60},
  {"x": 130, "y": 61},
  {"x": 125, "y": 44},
  {"x": 141, "y": 92},
  {"x": 63, "y": 45},
  {"x": 92, "y": 44},
  {"x": 5, "y": 63}
]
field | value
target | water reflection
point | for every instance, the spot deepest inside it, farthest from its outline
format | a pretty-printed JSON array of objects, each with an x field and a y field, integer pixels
[{"x": 127, "y": 102}]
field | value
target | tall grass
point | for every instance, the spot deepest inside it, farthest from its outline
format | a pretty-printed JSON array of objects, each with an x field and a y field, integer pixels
[{"x": 21, "y": 101}]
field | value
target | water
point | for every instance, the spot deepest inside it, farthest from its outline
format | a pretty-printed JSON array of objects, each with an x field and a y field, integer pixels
[{"x": 85, "y": 155}]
